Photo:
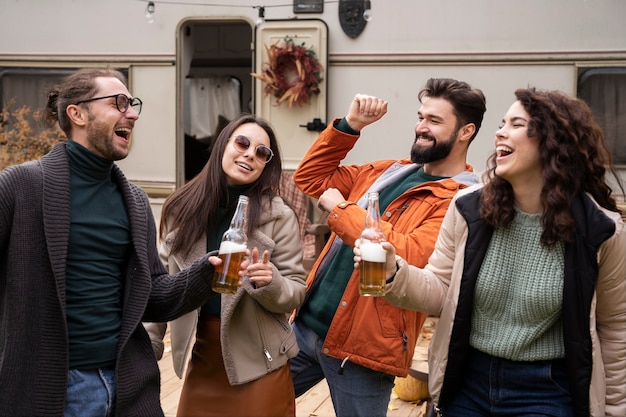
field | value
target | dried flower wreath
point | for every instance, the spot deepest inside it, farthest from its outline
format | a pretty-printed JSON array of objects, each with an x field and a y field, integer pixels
[{"x": 292, "y": 73}]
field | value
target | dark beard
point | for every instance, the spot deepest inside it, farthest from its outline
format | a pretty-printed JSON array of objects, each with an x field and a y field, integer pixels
[{"x": 440, "y": 150}]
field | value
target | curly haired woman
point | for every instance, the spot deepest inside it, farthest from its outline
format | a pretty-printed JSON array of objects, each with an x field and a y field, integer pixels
[{"x": 528, "y": 275}]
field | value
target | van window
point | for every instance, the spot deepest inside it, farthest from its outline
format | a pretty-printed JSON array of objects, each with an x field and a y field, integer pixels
[
  {"x": 23, "y": 95},
  {"x": 26, "y": 88},
  {"x": 23, "y": 136},
  {"x": 604, "y": 90}
]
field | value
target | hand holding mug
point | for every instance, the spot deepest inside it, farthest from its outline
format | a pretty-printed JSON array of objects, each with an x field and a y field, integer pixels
[{"x": 390, "y": 258}]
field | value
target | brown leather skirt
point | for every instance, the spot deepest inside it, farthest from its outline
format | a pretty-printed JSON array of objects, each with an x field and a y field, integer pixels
[{"x": 206, "y": 391}]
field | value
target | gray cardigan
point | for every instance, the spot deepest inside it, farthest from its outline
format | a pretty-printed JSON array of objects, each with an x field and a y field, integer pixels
[{"x": 34, "y": 233}]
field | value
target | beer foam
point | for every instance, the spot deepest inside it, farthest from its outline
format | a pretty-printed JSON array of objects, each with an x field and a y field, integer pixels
[
  {"x": 232, "y": 247},
  {"x": 372, "y": 252}
]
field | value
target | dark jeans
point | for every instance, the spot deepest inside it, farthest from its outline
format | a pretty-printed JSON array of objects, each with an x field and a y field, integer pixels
[
  {"x": 495, "y": 387},
  {"x": 355, "y": 392}
]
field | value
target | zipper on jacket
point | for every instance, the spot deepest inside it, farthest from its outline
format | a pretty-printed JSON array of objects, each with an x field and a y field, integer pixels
[
  {"x": 284, "y": 325},
  {"x": 343, "y": 363},
  {"x": 266, "y": 352},
  {"x": 405, "y": 341}
]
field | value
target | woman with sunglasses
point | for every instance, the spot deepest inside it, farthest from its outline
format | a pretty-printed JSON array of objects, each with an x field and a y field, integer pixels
[{"x": 239, "y": 363}]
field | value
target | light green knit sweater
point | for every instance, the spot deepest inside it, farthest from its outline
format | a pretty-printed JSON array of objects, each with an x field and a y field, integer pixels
[{"x": 518, "y": 297}]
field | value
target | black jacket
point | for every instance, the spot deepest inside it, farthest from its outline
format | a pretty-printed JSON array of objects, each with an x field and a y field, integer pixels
[{"x": 593, "y": 227}]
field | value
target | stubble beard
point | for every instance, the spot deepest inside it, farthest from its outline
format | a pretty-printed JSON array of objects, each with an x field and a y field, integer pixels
[{"x": 99, "y": 139}]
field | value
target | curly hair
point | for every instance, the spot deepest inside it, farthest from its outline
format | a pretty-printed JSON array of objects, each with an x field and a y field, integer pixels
[
  {"x": 190, "y": 207},
  {"x": 573, "y": 159}
]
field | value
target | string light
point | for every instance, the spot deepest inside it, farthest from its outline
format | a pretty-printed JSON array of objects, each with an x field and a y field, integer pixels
[
  {"x": 367, "y": 10},
  {"x": 150, "y": 12},
  {"x": 150, "y": 7},
  {"x": 261, "y": 19},
  {"x": 186, "y": 3}
]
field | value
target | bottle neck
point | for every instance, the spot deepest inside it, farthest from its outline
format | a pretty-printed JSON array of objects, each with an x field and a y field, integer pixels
[
  {"x": 239, "y": 218},
  {"x": 372, "y": 218},
  {"x": 372, "y": 230}
]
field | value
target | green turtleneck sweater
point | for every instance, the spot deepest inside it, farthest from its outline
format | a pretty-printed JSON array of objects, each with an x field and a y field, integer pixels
[{"x": 98, "y": 252}]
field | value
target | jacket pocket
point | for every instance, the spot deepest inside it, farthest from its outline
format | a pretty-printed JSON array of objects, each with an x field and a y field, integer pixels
[
  {"x": 278, "y": 338},
  {"x": 287, "y": 336},
  {"x": 390, "y": 318}
]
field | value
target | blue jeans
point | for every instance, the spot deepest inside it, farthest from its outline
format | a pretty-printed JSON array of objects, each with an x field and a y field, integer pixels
[
  {"x": 356, "y": 391},
  {"x": 90, "y": 393},
  {"x": 498, "y": 387}
]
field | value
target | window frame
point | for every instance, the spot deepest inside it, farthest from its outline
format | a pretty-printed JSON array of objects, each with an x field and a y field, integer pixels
[{"x": 612, "y": 137}]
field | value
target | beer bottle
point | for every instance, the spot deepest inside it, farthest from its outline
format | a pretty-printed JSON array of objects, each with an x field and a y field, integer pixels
[
  {"x": 232, "y": 251},
  {"x": 372, "y": 266}
]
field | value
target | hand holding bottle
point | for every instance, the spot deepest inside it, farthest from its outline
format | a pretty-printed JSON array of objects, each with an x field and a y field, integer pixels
[
  {"x": 372, "y": 266},
  {"x": 232, "y": 251},
  {"x": 390, "y": 257},
  {"x": 217, "y": 262}
]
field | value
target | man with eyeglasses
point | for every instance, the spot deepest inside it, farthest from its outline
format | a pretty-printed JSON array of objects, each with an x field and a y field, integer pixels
[{"x": 79, "y": 268}]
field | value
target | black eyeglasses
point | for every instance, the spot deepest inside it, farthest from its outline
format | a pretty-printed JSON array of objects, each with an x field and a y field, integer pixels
[
  {"x": 122, "y": 101},
  {"x": 262, "y": 153}
]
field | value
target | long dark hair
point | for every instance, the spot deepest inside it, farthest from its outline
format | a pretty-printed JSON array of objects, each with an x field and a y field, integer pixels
[
  {"x": 190, "y": 208},
  {"x": 573, "y": 159}
]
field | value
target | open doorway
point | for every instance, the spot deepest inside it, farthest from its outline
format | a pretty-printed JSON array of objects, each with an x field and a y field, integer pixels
[{"x": 215, "y": 85}]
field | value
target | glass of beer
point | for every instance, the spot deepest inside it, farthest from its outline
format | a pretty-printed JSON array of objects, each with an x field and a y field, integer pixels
[
  {"x": 226, "y": 277},
  {"x": 372, "y": 278}
]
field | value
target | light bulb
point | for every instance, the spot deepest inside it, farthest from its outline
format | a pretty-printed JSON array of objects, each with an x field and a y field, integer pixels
[
  {"x": 261, "y": 19},
  {"x": 150, "y": 12},
  {"x": 367, "y": 12}
]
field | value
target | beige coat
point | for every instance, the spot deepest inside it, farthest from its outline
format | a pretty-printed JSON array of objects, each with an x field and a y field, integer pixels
[
  {"x": 435, "y": 290},
  {"x": 252, "y": 320}
]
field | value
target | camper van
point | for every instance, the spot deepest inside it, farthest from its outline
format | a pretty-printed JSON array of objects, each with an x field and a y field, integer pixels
[{"x": 193, "y": 63}]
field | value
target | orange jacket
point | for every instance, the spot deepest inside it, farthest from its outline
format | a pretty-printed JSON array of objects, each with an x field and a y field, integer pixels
[{"x": 369, "y": 331}]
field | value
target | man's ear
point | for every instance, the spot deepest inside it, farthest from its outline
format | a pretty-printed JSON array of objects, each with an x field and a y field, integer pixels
[
  {"x": 77, "y": 115},
  {"x": 467, "y": 131}
]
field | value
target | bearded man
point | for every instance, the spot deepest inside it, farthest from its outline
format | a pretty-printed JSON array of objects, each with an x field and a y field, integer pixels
[{"x": 359, "y": 344}]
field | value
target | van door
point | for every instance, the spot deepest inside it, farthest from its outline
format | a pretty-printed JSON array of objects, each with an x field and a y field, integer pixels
[
  {"x": 296, "y": 125},
  {"x": 221, "y": 51}
]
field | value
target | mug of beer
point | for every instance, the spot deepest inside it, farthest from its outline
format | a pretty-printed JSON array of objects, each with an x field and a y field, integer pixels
[
  {"x": 372, "y": 278},
  {"x": 226, "y": 276}
]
